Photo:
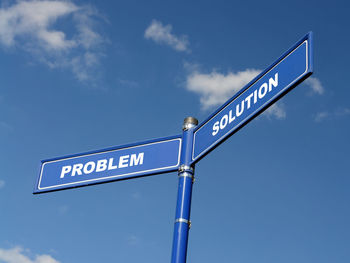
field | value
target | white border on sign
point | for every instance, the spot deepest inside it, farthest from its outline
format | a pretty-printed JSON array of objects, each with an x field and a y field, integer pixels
[
  {"x": 223, "y": 136},
  {"x": 113, "y": 176}
]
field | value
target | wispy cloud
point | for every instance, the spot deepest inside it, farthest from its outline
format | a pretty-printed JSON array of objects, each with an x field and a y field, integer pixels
[
  {"x": 136, "y": 195},
  {"x": 215, "y": 88},
  {"x": 277, "y": 111},
  {"x": 2, "y": 184},
  {"x": 133, "y": 240},
  {"x": 18, "y": 255},
  {"x": 32, "y": 27},
  {"x": 128, "y": 83},
  {"x": 342, "y": 112},
  {"x": 161, "y": 34},
  {"x": 5, "y": 126},
  {"x": 328, "y": 115},
  {"x": 320, "y": 116},
  {"x": 315, "y": 85},
  {"x": 63, "y": 209}
]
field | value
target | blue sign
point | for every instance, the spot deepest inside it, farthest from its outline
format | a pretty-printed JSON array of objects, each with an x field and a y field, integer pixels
[
  {"x": 123, "y": 162},
  {"x": 288, "y": 71}
]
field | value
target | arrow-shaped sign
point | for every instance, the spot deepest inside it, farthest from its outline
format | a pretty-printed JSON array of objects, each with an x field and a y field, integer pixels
[
  {"x": 117, "y": 163},
  {"x": 288, "y": 71}
]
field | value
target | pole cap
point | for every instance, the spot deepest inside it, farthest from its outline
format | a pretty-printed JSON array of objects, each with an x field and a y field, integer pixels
[{"x": 189, "y": 122}]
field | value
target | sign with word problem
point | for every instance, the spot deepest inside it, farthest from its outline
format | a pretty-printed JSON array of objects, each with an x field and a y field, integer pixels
[
  {"x": 123, "y": 162},
  {"x": 288, "y": 71}
]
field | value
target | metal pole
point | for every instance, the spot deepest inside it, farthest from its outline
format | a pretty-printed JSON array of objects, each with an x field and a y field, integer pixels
[{"x": 184, "y": 194}]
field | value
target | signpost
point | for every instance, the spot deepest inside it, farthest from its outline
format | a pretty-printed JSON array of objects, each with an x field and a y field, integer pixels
[
  {"x": 123, "y": 162},
  {"x": 182, "y": 152}
]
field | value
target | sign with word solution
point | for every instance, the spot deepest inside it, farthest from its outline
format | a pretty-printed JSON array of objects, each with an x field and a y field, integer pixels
[
  {"x": 288, "y": 71},
  {"x": 123, "y": 162}
]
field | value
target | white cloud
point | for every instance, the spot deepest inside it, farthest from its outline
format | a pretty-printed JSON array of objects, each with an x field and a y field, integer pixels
[
  {"x": 5, "y": 126},
  {"x": 215, "y": 88},
  {"x": 276, "y": 110},
  {"x": 63, "y": 209},
  {"x": 33, "y": 18},
  {"x": 320, "y": 116},
  {"x": 128, "y": 83},
  {"x": 162, "y": 34},
  {"x": 315, "y": 85},
  {"x": 17, "y": 255},
  {"x": 342, "y": 112},
  {"x": 2, "y": 183},
  {"x": 30, "y": 26},
  {"x": 133, "y": 240},
  {"x": 327, "y": 115},
  {"x": 136, "y": 195}
]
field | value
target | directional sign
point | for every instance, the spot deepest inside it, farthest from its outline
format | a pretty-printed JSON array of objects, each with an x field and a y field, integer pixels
[
  {"x": 283, "y": 75},
  {"x": 123, "y": 162}
]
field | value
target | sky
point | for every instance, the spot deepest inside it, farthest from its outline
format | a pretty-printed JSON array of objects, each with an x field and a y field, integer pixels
[{"x": 82, "y": 75}]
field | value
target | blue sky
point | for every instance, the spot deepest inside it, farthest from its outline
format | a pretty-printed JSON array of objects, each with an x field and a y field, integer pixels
[{"x": 85, "y": 75}]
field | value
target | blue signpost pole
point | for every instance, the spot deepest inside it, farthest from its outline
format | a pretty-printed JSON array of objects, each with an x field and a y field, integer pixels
[{"x": 184, "y": 195}]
